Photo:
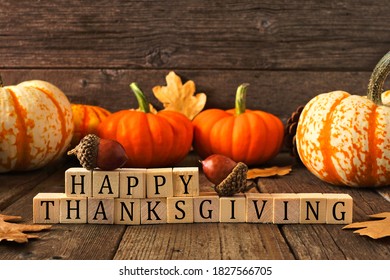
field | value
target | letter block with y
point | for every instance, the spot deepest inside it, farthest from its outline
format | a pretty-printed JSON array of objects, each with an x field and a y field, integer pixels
[
  {"x": 339, "y": 208},
  {"x": 259, "y": 208},
  {"x": 78, "y": 182},
  {"x": 185, "y": 181}
]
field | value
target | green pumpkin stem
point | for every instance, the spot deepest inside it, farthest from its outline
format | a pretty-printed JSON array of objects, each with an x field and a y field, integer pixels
[
  {"x": 378, "y": 77},
  {"x": 241, "y": 99},
  {"x": 141, "y": 98}
]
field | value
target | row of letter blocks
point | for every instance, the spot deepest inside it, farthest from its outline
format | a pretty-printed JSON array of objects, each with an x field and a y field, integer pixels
[{"x": 171, "y": 195}]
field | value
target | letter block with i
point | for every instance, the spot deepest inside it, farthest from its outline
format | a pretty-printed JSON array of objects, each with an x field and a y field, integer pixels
[
  {"x": 286, "y": 208},
  {"x": 78, "y": 182},
  {"x": 232, "y": 209}
]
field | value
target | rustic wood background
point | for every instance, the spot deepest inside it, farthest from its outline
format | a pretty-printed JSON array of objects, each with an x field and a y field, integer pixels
[{"x": 289, "y": 51}]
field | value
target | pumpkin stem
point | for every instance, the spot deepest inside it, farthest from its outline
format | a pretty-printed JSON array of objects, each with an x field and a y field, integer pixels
[
  {"x": 241, "y": 99},
  {"x": 1, "y": 81},
  {"x": 378, "y": 77},
  {"x": 141, "y": 98}
]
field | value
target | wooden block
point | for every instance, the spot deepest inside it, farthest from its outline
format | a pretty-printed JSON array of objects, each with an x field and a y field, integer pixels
[
  {"x": 127, "y": 211},
  {"x": 46, "y": 208},
  {"x": 105, "y": 184},
  {"x": 339, "y": 209},
  {"x": 100, "y": 210},
  {"x": 206, "y": 208},
  {"x": 232, "y": 209},
  {"x": 153, "y": 210},
  {"x": 159, "y": 182},
  {"x": 78, "y": 182},
  {"x": 185, "y": 181},
  {"x": 132, "y": 183},
  {"x": 73, "y": 210},
  {"x": 259, "y": 208},
  {"x": 286, "y": 208},
  {"x": 313, "y": 208},
  {"x": 180, "y": 210}
]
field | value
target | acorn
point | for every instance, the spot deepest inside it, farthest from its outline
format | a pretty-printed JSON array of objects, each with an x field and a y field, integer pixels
[
  {"x": 228, "y": 176},
  {"x": 94, "y": 152}
]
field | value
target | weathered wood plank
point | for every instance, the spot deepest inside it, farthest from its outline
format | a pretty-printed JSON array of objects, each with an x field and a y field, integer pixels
[
  {"x": 347, "y": 35},
  {"x": 203, "y": 241},
  {"x": 278, "y": 92},
  {"x": 330, "y": 241}
]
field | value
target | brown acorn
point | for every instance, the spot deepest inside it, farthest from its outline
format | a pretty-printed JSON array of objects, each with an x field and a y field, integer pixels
[
  {"x": 228, "y": 176},
  {"x": 94, "y": 152}
]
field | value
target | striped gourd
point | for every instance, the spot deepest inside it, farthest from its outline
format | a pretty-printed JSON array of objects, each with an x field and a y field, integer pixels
[
  {"x": 36, "y": 125},
  {"x": 345, "y": 139}
]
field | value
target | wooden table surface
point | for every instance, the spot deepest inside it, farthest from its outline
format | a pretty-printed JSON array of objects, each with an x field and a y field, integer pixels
[{"x": 220, "y": 241}]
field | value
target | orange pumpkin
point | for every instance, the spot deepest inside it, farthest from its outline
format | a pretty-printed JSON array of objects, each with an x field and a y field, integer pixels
[
  {"x": 345, "y": 139},
  {"x": 150, "y": 140},
  {"x": 36, "y": 125},
  {"x": 249, "y": 136},
  {"x": 86, "y": 119}
]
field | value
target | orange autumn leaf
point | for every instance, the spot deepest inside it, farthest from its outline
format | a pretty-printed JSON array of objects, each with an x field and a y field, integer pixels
[
  {"x": 268, "y": 172},
  {"x": 180, "y": 98},
  {"x": 15, "y": 232},
  {"x": 374, "y": 229}
]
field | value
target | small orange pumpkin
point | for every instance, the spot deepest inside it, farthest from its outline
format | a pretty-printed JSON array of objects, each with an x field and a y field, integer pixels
[
  {"x": 150, "y": 140},
  {"x": 249, "y": 136},
  {"x": 344, "y": 139},
  {"x": 36, "y": 125},
  {"x": 86, "y": 119}
]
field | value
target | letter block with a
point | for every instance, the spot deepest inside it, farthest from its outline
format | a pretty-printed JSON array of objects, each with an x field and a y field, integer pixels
[
  {"x": 105, "y": 184},
  {"x": 100, "y": 210}
]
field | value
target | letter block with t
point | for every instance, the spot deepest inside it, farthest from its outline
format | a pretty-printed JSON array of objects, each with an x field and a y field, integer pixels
[
  {"x": 339, "y": 208},
  {"x": 159, "y": 182},
  {"x": 46, "y": 208},
  {"x": 78, "y": 182}
]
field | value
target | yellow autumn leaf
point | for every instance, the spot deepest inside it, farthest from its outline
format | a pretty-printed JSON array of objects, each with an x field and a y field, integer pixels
[
  {"x": 180, "y": 98},
  {"x": 375, "y": 228},
  {"x": 268, "y": 172}
]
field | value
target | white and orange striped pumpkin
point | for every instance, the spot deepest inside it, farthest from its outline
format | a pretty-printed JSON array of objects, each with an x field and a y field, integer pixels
[
  {"x": 36, "y": 125},
  {"x": 345, "y": 139}
]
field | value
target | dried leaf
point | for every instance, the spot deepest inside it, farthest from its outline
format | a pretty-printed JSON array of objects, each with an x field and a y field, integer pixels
[
  {"x": 15, "y": 232},
  {"x": 178, "y": 97},
  {"x": 374, "y": 229},
  {"x": 268, "y": 172}
]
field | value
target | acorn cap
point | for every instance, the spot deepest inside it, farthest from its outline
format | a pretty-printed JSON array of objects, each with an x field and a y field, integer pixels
[
  {"x": 87, "y": 151},
  {"x": 235, "y": 182}
]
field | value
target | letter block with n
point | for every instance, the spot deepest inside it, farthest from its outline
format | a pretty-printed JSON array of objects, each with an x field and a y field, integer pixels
[{"x": 78, "y": 182}]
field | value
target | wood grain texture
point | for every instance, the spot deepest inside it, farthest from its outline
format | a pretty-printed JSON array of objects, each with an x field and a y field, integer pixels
[
  {"x": 278, "y": 92},
  {"x": 299, "y": 35}
]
